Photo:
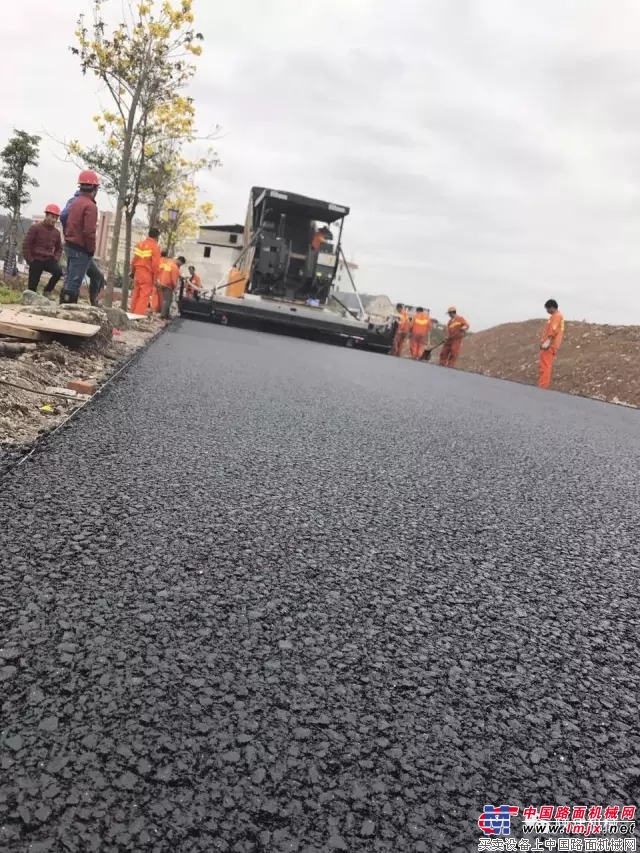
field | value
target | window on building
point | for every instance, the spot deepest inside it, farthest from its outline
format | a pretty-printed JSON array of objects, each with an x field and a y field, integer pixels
[
  {"x": 233, "y": 238},
  {"x": 207, "y": 251}
]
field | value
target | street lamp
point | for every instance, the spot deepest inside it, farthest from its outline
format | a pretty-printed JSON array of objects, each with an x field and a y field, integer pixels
[{"x": 172, "y": 213}]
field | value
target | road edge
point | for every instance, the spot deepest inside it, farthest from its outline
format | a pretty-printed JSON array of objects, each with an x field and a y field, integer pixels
[{"x": 40, "y": 441}]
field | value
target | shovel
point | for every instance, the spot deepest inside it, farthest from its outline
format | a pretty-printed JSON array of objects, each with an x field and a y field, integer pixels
[{"x": 426, "y": 355}]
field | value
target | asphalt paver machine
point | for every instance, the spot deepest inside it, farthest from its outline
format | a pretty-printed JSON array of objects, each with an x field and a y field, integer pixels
[{"x": 285, "y": 275}]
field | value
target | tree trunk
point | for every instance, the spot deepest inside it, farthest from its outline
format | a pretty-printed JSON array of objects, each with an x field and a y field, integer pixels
[
  {"x": 122, "y": 193},
  {"x": 127, "y": 259}
]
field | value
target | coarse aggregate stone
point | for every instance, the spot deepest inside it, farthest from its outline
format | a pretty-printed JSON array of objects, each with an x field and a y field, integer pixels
[{"x": 269, "y": 595}]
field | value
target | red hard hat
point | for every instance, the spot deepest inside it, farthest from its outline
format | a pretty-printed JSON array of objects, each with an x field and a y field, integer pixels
[
  {"x": 88, "y": 178},
  {"x": 52, "y": 208}
]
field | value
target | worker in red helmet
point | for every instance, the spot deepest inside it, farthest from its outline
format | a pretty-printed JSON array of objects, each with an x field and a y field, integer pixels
[
  {"x": 42, "y": 249},
  {"x": 94, "y": 273},
  {"x": 80, "y": 235}
]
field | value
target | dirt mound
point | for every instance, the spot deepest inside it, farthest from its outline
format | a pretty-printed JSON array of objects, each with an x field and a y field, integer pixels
[
  {"x": 594, "y": 361},
  {"x": 81, "y": 313}
]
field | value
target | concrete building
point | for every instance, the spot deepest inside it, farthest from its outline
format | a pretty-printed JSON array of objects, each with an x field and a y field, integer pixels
[
  {"x": 215, "y": 251},
  {"x": 342, "y": 280}
]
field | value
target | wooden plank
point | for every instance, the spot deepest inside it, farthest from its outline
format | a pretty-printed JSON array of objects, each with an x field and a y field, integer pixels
[
  {"x": 12, "y": 331},
  {"x": 137, "y": 316},
  {"x": 48, "y": 324}
]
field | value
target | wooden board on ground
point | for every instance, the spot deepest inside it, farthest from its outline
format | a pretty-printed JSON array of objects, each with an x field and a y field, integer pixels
[
  {"x": 13, "y": 331},
  {"x": 137, "y": 316},
  {"x": 48, "y": 324}
]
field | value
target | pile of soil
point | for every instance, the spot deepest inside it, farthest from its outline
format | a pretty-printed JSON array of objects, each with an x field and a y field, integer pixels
[{"x": 594, "y": 360}]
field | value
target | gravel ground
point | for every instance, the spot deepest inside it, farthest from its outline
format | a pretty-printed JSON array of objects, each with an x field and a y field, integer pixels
[{"x": 269, "y": 595}]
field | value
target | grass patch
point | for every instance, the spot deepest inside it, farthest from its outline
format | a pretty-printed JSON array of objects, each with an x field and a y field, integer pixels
[{"x": 8, "y": 296}]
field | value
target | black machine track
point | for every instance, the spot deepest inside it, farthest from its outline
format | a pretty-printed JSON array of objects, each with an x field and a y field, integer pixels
[{"x": 265, "y": 595}]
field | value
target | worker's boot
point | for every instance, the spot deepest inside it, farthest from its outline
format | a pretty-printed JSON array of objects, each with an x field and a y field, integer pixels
[{"x": 68, "y": 298}]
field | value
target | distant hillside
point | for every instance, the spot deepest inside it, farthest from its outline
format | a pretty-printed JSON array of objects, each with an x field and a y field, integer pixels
[{"x": 594, "y": 361}]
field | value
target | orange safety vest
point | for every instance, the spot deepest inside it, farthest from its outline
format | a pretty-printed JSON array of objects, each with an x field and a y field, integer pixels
[
  {"x": 455, "y": 327},
  {"x": 146, "y": 259},
  {"x": 403, "y": 322},
  {"x": 421, "y": 324},
  {"x": 169, "y": 273},
  {"x": 554, "y": 329},
  {"x": 195, "y": 280},
  {"x": 318, "y": 240}
]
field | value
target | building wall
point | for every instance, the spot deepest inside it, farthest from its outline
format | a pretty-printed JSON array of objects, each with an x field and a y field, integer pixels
[
  {"x": 342, "y": 281},
  {"x": 221, "y": 238},
  {"x": 104, "y": 236},
  {"x": 212, "y": 262}
]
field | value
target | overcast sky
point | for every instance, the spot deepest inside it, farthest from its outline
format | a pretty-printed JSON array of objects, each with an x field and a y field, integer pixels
[{"x": 489, "y": 149}]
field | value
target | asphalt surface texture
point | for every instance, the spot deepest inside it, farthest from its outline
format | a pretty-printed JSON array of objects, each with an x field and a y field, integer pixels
[{"x": 271, "y": 595}]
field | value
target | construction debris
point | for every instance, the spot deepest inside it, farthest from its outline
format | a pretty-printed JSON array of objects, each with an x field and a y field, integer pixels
[
  {"x": 17, "y": 331},
  {"x": 41, "y": 383},
  {"x": 55, "y": 322},
  {"x": 10, "y": 349},
  {"x": 82, "y": 386}
]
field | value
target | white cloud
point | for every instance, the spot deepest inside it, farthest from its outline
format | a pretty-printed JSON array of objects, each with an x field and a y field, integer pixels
[{"x": 487, "y": 148}]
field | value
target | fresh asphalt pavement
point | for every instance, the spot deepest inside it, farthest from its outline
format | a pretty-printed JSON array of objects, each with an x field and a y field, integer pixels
[{"x": 272, "y": 595}]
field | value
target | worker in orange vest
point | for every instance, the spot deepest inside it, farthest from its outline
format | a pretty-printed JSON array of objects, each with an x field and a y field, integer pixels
[
  {"x": 320, "y": 237},
  {"x": 145, "y": 266},
  {"x": 194, "y": 283},
  {"x": 402, "y": 330},
  {"x": 155, "y": 303},
  {"x": 456, "y": 329},
  {"x": 168, "y": 278},
  {"x": 419, "y": 330},
  {"x": 550, "y": 342}
]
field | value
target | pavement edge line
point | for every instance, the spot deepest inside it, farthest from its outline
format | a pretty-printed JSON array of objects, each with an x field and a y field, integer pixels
[{"x": 39, "y": 442}]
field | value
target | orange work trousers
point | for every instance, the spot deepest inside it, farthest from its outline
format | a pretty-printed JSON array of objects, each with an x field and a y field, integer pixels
[
  {"x": 450, "y": 352},
  {"x": 157, "y": 297},
  {"x": 417, "y": 344},
  {"x": 545, "y": 366},
  {"x": 143, "y": 288},
  {"x": 398, "y": 343}
]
